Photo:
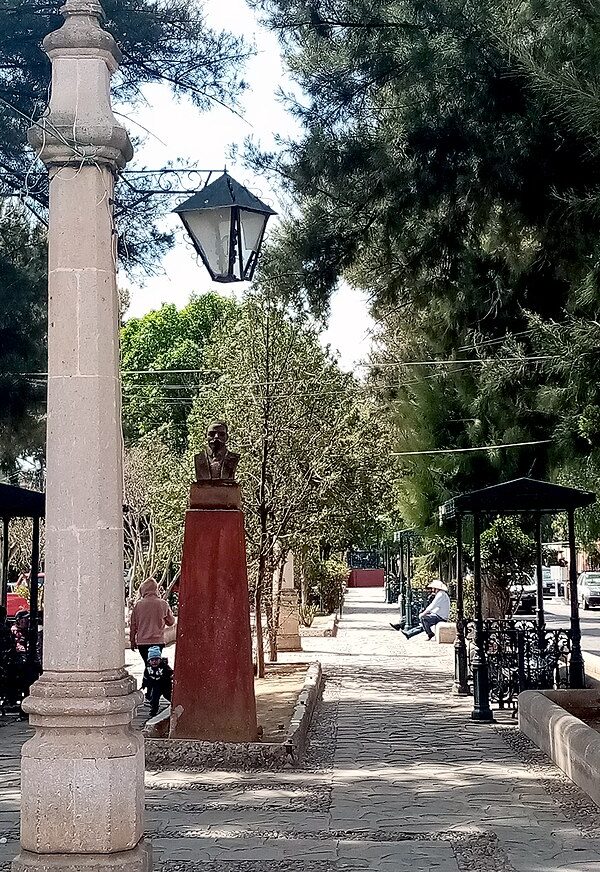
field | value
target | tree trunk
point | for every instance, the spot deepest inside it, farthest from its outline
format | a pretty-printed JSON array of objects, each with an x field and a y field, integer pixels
[
  {"x": 495, "y": 600},
  {"x": 260, "y": 651}
]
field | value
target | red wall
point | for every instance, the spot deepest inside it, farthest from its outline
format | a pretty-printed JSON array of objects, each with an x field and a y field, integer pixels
[{"x": 365, "y": 578}]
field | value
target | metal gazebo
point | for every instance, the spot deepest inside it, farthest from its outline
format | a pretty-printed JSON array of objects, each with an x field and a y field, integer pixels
[
  {"x": 17, "y": 502},
  {"x": 522, "y": 496}
]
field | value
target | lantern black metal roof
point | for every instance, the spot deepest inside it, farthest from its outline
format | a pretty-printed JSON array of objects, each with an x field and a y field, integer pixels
[
  {"x": 226, "y": 223},
  {"x": 17, "y": 502},
  {"x": 515, "y": 497}
]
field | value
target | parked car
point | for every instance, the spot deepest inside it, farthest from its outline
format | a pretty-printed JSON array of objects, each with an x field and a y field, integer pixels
[
  {"x": 588, "y": 589},
  {"x": 523, "y": 596}
]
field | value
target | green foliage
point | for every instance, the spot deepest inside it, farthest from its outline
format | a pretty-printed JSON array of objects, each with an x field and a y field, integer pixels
[
  {"x": 22, "y": 338},
  {"x": 506, "y": 552},
  {"x": 448, "y": 167},
  {"x": 327, "y": 582},
  {"x": 156, "y": 491},
  {"x": 307, "y": 614},
  {"x": 172, "y": 343},
  {"x": 297, "y": 423}
]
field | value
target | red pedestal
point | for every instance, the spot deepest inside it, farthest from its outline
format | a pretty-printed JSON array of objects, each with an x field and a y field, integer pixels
[{"x": 213, "y": 688}]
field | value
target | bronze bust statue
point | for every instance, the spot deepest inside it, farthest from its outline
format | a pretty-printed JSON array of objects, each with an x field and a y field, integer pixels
[{"x": 216, "y": 463}]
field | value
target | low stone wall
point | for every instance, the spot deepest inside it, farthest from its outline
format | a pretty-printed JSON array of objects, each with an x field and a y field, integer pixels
[
  {"x": 592, "y": 669},
  {"x": 164, "y": 753},
  {"x": 554, "y": 720},
  {"x": 322, "y": 626}
]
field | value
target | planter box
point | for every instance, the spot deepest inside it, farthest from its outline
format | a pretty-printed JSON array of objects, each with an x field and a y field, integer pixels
[
  {"x": 162, "y": 752},
  {"x": 557, "y": 722}
]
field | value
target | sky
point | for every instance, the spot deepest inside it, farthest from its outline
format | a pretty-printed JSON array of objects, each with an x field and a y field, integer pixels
[{"x": 178, "y": 133}]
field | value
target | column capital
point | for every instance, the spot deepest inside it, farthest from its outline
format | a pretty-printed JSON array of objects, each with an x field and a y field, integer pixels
[{"x": 79, "y": 126}]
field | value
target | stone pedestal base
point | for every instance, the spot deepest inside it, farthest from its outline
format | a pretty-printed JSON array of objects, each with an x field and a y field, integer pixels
[
  {"x": 137, "y": 860},
  {"x": 213, "y": 688},
  {"x": 82, "y": 773},
  {"x": 288, "y": 635}
]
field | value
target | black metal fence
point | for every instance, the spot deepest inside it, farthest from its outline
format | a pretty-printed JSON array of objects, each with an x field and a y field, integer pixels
[{"x": 521, "y": 657}]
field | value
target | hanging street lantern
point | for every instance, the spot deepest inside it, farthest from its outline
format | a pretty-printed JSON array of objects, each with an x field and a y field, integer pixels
[{"x": 226, "y": 223}]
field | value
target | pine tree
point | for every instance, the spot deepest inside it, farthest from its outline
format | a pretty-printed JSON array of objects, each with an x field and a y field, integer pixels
[
  {"x": 161, "y": 42},
  {"x": 22, "y": 338}
]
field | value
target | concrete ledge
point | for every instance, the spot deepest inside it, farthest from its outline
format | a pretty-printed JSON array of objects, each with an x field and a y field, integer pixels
[
  {"x": 445, "y": 633},
  {"x": 322, "y": 625},
  {"x": 188, "y": 754},
  {"x": 550, "y": 719},
  {"x": 592, "y": 668}
]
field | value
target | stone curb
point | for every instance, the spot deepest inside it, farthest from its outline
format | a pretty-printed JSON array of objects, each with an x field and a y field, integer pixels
[
  {"x": 162, "y": 753},
  {"x": 326, "y": 627}
]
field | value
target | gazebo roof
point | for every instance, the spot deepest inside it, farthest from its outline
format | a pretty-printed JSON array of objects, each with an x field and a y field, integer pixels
[
  {"x": 17, "y": 502},
  {"x": 521, "y": 495}
]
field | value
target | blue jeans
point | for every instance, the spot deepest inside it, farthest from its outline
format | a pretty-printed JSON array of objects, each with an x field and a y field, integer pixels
[{"x": 427, "y": 622}]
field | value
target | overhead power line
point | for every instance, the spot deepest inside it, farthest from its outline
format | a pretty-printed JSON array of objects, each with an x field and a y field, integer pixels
[{"x": 465, "y": 450}]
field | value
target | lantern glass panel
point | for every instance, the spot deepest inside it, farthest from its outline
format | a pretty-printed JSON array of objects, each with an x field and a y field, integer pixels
[
  {"x": 253, "y": 224},
  {"x": 211, "y": 230}
]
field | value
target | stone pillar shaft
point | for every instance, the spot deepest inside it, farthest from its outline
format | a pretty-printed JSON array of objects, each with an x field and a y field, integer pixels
[
  {"x": 84, "y": 504},
  {"x": 82, "y": 773}
]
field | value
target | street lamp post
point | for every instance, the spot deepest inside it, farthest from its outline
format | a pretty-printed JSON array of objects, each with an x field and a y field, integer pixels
[{"x": 82, "y": 784}]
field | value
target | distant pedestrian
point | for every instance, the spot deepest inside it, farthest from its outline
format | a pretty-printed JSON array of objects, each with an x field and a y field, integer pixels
[
  {"x": 435, "y": 612},
  {"x": 158, "y": 679},
  {"x": 20, "y": 631},
  {"x": 149, "y": 618},
  {"x": 7, "y": 640}
]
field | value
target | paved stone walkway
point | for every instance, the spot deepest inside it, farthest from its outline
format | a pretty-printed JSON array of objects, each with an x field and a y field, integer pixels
[{"x": 397, "y": 779}]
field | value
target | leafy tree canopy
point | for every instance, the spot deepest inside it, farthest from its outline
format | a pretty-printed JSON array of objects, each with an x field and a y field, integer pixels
[
  {"x": 164, "y": 366},
  {"x": 449, "y": 166}
]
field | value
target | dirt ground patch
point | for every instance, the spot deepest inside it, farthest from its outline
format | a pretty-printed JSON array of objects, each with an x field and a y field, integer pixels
[{"x": 276, "y": 696}]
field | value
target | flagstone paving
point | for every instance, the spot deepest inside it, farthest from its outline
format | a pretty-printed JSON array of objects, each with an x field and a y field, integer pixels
[{"x": 397, "y": 778}]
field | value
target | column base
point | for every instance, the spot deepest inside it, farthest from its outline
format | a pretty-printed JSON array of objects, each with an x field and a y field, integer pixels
[
  {"x": 457, "y": 690},
  {"x": 482, "y": 717},
  {"x": 137, "y": 860}
]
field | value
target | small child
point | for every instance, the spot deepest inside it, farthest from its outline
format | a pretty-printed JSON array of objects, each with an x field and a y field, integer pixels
[{"x": 158, "y": 679}]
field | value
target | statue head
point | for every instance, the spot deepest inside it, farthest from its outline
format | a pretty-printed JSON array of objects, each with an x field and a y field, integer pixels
[{"x": 217, "y": 436}]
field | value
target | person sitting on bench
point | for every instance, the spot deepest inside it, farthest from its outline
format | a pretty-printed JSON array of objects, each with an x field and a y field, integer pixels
[{"x": 437, "y": 611}]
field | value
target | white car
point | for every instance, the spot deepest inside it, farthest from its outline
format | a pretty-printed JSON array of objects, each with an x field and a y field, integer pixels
[{"x": 588, "y": 589}]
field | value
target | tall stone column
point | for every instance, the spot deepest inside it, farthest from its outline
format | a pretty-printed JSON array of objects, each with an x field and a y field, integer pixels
[{"x": 82, "y": 800}]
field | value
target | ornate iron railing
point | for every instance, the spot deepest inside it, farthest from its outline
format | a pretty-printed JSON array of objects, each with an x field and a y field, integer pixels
[{"x": 520, "y": 657}]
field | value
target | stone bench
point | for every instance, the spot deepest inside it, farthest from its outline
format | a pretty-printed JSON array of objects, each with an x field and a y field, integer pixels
[{"x": 445, "y": 633}]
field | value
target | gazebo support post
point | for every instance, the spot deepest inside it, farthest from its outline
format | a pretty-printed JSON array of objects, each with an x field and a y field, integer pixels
[
  {"x": 539, "y": 577},
  {"x": 32, "y": 636},
  {"x": 481, "y": 684},
  {"x": 576, "y": 664},
  {"x": 402, "y": 599},
  {"x": 4, "y": 597},
  {"x": 461, "y": 684},
  {"x": 408, "y": 600}
]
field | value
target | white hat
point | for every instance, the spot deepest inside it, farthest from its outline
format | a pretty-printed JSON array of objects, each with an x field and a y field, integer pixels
[{"x": 436, "y": 584}]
